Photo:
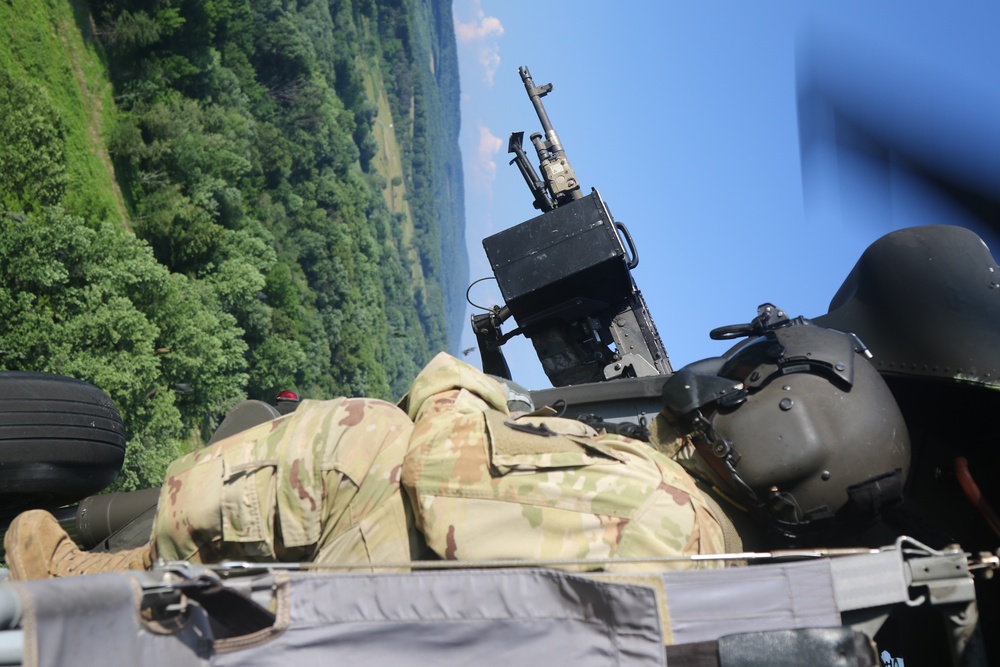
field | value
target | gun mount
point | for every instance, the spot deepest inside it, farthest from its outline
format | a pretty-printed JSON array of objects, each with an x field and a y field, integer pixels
[{"x": 566, "y": 277}]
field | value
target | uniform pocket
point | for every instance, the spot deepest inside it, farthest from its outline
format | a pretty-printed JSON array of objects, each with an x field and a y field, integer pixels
[
  {"x": 248, "y": 503},
  {"x": 538, "y": 445},
  {"x": 188, "y": 524}
]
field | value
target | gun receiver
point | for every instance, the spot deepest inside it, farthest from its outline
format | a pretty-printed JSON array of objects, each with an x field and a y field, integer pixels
[{"x": 566, "y": 278}]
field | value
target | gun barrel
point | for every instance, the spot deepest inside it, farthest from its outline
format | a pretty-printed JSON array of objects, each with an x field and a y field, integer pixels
[
  {"x": 560, "y": 179},
  {"x": 535, "y": 94}
]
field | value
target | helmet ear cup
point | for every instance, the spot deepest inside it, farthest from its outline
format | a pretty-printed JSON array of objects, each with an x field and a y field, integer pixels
[{"x": 780, "y": 432}]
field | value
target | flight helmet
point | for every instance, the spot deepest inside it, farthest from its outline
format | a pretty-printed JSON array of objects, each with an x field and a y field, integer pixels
[{"x": 795, "y": 424}]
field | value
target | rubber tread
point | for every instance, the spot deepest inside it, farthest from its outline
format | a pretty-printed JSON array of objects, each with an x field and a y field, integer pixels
[{"x": 61, "y": 439}]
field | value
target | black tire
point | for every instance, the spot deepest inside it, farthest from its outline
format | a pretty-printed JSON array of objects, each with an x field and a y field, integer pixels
[{"x": 60, "y": 440}]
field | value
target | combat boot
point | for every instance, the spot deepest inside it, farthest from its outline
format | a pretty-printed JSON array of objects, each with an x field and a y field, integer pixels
[{"x": 38, "y": 548}]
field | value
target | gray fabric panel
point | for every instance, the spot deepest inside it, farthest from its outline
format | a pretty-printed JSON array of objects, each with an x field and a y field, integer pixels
[
  {"x": 707, "y": 604},
  {"x": 92, "y": 620},
  {"x": 485, "y": 617},
  {"x": 490, "y": 617},
  {"x": 871, "y": 580}
]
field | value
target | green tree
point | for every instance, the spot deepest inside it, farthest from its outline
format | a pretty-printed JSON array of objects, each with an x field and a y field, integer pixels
[
  {"x": 91, "y": 302},
  {"x": 32, "y": 146}
]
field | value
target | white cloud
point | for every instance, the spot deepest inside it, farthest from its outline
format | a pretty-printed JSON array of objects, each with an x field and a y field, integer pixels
[
  {"x": 487, "y": 25},
  {"x": 484, "y": 167},
  {"x": 483, "y": 35}
]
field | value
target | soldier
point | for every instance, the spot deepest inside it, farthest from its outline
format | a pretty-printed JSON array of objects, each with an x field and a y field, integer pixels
[{"x": 327, "y": 483}]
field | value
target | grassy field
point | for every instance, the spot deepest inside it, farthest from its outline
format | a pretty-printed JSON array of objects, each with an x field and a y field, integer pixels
[
  {"x": 388, "y": 164},
  {"x": 50, "y": 43}
]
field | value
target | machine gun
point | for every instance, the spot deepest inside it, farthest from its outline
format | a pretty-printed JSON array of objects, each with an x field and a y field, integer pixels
[{"x": 565, "y": 277}]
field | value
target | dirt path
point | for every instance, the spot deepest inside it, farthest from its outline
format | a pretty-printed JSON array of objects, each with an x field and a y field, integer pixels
[{"x": 74, "y": 38}]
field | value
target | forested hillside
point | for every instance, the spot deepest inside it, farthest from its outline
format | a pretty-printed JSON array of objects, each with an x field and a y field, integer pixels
[{"x": 206, "y": 200}]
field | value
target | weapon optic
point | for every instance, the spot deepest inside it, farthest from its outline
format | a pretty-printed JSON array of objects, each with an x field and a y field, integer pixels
[{"x": 565, "y": 276}]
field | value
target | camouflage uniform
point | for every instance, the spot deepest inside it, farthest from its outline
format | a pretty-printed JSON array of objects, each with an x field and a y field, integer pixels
[
  {"x": 323, "y": 484},
  {"x": 320, "y": 484},
  {"x": 485, "y": 485}
]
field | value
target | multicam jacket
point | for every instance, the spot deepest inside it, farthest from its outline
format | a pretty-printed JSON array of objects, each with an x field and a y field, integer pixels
[{"x": 487, "y": 485}]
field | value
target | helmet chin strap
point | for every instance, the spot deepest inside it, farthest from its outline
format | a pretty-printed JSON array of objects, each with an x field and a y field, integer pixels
[{"x": 720, "y": 454}]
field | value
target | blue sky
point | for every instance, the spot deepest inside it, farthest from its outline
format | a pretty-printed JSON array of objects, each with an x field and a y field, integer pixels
[{"x": 685, "y": 116}]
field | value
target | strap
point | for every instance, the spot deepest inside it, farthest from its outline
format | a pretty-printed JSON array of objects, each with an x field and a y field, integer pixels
[
  {"x": 232, "y": 613},
  {"x": 833, "y": 647},
  {"x": 695, "y": 654}
]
